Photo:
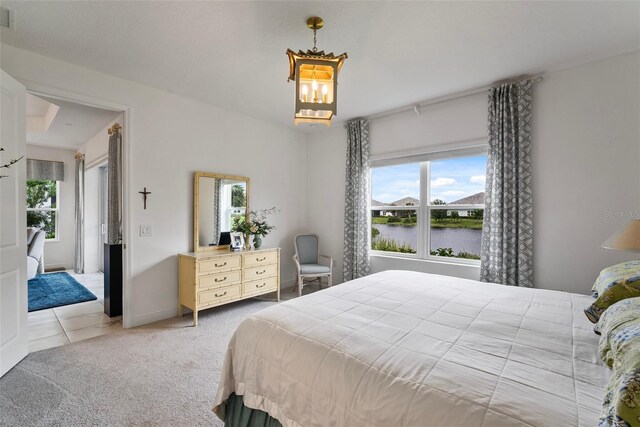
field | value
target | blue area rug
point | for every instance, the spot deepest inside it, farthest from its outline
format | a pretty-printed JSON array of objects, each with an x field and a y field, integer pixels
[{"x": 55, "y": 290}]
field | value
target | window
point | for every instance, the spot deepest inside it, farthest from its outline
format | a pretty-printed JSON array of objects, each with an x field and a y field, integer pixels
[
  {"x": 43, "y": 206},
  {"x": 429, "y": 209}
]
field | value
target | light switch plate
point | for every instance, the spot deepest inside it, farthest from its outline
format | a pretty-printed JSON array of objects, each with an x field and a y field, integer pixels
[{"x": 146, "y": 231}]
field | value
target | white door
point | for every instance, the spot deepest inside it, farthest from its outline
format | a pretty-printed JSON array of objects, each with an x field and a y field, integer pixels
[{"x": 13, "y": 225}]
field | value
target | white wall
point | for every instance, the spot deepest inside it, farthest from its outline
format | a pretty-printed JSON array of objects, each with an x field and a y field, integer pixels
[
  {"x": 586, "y": 153},
  {"x": 586, "y": 157},
  {"x": 59, "y": 253},
  {"x": 171, "y": 137},
  {"x": 96, "y": 150}
]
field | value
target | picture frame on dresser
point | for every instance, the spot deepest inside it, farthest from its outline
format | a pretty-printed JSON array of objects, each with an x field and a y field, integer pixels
[{"x": 237, "y": 241}]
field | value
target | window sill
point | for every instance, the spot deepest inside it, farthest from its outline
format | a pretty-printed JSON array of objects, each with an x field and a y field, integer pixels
[
  {"x": 52, "y": 240},
  {"x": 431, "y": 260}
]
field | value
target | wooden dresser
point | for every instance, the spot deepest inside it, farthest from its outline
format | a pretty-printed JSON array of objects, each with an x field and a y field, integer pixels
[{"x": 210, "y": 279}]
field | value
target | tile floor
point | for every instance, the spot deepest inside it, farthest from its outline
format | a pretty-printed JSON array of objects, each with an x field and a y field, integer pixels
[{"x": 63, "y": 325}]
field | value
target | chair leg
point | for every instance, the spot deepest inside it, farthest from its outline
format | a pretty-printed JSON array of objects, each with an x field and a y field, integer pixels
[
  {"x": 329, "y": 280},
  {"x": 300, "y": 286}
]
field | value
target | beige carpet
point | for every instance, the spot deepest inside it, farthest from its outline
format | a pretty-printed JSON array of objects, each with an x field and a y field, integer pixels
[{"x": 164, "y": 374}]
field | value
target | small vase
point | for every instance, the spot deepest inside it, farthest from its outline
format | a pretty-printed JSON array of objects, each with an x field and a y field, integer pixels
[
  {"x": 257, "y": 241},
  {"x": 247, "y": 242}
]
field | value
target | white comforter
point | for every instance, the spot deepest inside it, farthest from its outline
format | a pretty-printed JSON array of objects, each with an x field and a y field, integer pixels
[{"x": 401, "y": 348}]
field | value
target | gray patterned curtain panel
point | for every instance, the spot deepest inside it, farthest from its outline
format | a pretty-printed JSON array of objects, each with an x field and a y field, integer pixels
[
  {"x": 356, "y": 213},
  {"x": 78, "y": 263},
  {"x": 507, "y": 236},
  {"x": 114, "y": 192},
  {"x": 45, "y": 169}
]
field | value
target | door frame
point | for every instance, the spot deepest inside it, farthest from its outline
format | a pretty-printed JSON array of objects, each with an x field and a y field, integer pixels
[{"x": 36, "y": 88}]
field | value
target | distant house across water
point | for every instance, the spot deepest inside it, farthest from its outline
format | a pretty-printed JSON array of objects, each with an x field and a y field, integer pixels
[
  {"x": 475, "y": 199},
  {"x": 406, "y": 201}
]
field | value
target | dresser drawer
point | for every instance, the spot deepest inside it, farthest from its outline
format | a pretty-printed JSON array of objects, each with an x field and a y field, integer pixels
[
  {"x": 260, "y": 286},
  {"x": 259, "y": 259},
  {"x": 257, "y": 273},
  {"x": 218, "y": 265},
  {"x": 220, "y": 279},
  {"x": 218, "y": 295}
]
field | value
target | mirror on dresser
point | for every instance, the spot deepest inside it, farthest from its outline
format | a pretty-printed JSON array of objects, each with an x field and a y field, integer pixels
[{"x": 218, "y": 199}]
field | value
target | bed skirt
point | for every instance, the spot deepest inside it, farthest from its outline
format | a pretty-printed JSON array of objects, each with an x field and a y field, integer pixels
[{"x": 239, "y": 415}]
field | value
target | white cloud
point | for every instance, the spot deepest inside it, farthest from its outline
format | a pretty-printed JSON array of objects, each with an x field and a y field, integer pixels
[
  {"x": 441, "y": 182},
  {"x": 478, "y": 179}
]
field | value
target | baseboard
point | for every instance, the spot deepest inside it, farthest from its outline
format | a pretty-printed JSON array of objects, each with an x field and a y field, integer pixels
[
  {"x": 155, "y": 316},
  {"x": 287, "y": 284},
  {"x": 168, "y": 313},
  {"x": 56, "y": 266}
]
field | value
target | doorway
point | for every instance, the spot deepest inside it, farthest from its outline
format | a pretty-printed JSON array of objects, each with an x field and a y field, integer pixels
[{"x": 63, "y": 324}]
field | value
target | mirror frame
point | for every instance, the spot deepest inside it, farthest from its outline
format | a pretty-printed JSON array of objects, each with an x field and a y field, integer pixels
[{"x": 196, "y": 194}]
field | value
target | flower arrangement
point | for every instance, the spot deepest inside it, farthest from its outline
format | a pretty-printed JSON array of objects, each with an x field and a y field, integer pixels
[{"x": 256, "y": 226}]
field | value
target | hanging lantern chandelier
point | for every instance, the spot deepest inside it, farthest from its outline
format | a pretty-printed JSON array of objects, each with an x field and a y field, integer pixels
[{"x": 316, "y": 77}]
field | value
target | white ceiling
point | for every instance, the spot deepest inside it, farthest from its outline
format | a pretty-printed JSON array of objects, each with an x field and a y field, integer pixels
[
  {"x": 232, "y": 54},
  {"x": 73, "y": 126},
  {"x": 37, "y": 107}
]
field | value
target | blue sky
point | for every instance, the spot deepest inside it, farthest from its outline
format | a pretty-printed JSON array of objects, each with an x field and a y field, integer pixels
[{"x": 451, "y": 179}]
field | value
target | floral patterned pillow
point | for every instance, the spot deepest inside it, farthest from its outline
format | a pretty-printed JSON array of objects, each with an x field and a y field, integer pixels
[
  {"x": 619, "y": 349},
  {"x": 614, "y": 284}
]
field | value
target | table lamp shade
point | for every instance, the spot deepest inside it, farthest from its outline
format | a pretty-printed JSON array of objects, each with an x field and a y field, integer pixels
[{"x": 627, "y": 240}]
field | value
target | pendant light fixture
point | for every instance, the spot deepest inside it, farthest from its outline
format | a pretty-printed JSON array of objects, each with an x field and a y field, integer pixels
[{"x": 316, "y": 77}]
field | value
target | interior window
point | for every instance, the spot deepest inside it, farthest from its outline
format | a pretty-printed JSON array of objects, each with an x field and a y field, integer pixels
[{"x": 43, "y": 206}]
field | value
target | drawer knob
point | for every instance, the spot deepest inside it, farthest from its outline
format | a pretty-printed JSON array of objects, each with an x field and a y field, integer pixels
[
  {"x": 221, "y": 265},
  {"x": 261, "y": 272},
  {"x": 261, "y": 259},
  {"x": 221, "y": 280},
  {"x": 221, "y": 295},
  {"x": 261, "y": 286}
]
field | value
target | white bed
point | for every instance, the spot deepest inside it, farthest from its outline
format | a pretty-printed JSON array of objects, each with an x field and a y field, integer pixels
[{"x": 401, "y": 348}]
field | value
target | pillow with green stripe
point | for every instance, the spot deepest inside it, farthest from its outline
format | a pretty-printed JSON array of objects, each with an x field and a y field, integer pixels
[
  {"x": 620, "y": 350},
  {"x": 614, "y": 284}
]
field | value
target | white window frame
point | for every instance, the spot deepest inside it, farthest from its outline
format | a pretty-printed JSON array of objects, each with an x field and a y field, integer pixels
[
  {"x": 467, "y": 149},
  {"x": 56, "y": 210}
]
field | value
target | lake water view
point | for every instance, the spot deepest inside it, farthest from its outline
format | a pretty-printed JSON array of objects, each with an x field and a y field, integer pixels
[{"x": 459, "y": 239}]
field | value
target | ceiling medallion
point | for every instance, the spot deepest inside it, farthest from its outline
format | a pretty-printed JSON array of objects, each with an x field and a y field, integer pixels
[{"x": 316, "y": 77}]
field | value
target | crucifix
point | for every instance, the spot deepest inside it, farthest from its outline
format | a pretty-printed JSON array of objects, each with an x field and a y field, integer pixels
[{"x": 145, "y": 193}]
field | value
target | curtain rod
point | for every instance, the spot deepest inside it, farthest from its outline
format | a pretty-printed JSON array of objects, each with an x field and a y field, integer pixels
[{"x": 416, "y": 107}]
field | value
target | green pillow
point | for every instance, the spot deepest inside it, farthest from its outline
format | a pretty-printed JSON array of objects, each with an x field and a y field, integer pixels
[
  {"x": 620, "y": 350},
  {"x": 614, "y": 284}
]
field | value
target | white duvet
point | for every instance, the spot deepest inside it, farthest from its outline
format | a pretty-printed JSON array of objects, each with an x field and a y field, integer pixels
[{"x": 401, "y": 348}]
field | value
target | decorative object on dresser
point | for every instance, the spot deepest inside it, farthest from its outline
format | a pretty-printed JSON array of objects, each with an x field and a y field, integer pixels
[
  {"x": 256, "y": 225},
  {"x": 237, "y": 241},
  {"x": 213, "y": 278}
]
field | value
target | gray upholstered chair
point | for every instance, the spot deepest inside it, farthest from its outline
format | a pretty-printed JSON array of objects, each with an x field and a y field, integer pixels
[
  {"x": 35, "y": 250},
  {"x": 309, "y": 263}
]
